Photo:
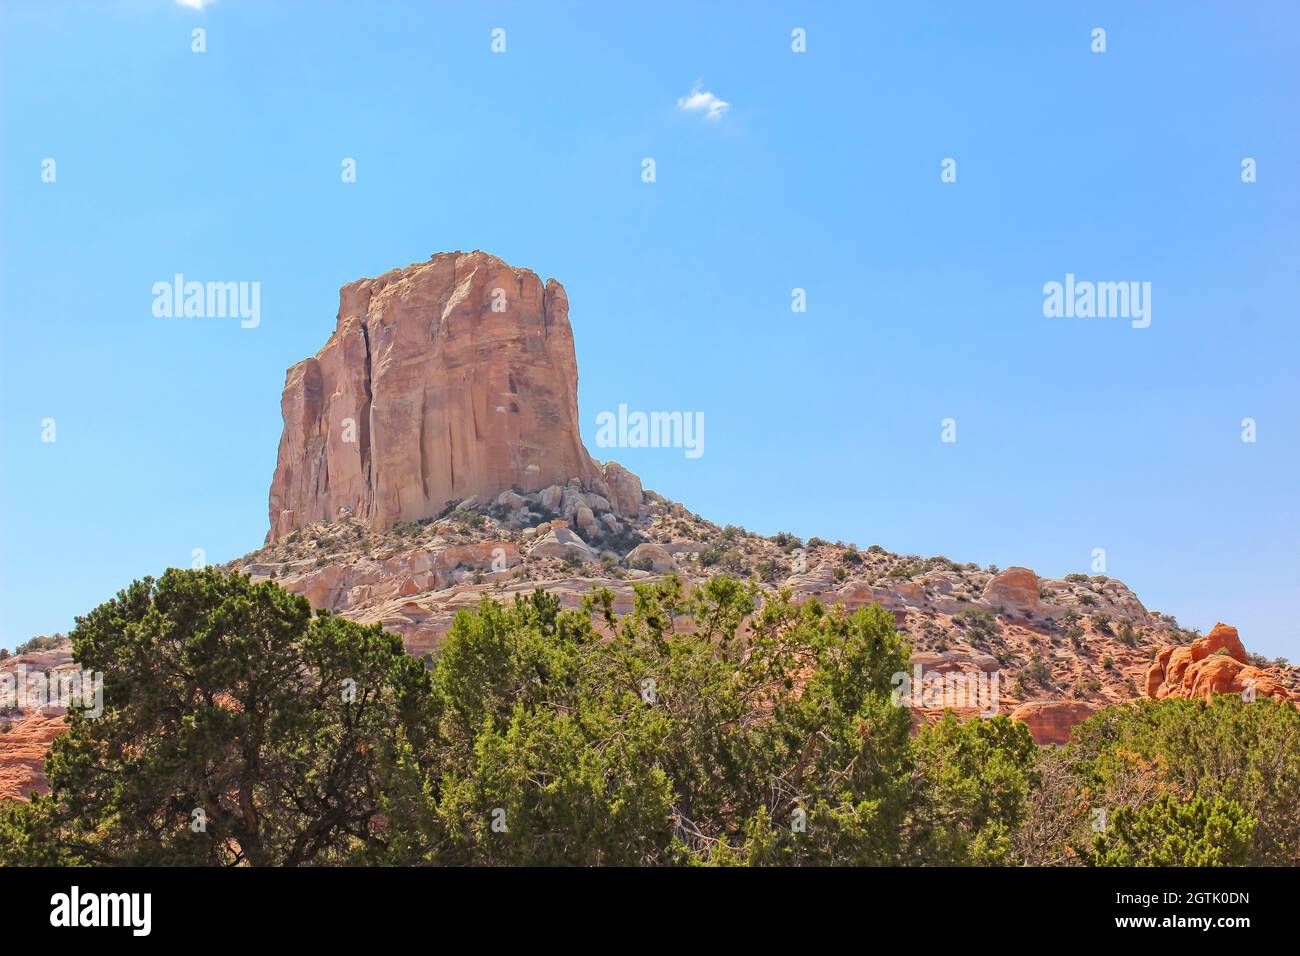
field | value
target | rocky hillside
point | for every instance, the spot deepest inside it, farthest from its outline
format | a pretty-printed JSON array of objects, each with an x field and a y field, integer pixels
[
  {"x": 26, "y": 731},
  {"x": 1063, "y": 646},
  {"x": 431, "y": 456}
]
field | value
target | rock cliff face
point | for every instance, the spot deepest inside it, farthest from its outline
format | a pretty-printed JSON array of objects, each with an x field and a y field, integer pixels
[{"x": 446, "y": 380}]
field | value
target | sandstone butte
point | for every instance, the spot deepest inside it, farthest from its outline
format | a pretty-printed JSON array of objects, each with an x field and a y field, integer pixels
[
  {"x": 448, "y": 380},
  {"x": 452, "y": 384}
]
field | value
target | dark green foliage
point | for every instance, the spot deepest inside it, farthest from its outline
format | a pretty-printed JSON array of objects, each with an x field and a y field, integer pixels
[
  {"x": 671, "y": 735},
  {"x": 467, "y": 520},
  {"x": 975, "y": 779},
  {"x": 227, "y": 698},
  {"x": 41, "y": 643},
  {"x": 1246, "y": 753},
  {"x": 1038, "y": 671},
  {"x": 590, "y": 763},
  {"x": 786, "y": 541},
  {"x": 1127, "y": 636},
  {"x": 621, "y": 542},
  {"x": 981, "y": 624},
  {"x": 1172, "y": 832}
]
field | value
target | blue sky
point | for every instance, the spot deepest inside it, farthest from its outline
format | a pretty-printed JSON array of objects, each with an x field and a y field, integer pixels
[{"x": 924, "y": 299}]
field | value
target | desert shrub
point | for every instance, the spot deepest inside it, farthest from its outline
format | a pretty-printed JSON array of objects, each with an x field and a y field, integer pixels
[
  {"x": 733, "y": 561},
  {"x": 467, "y": 520},
  {"x": 621, "y": 542},
  {"x": 980, "y": 623},
  {"x": 1038, "y": 671},
  {"x": 40, "y": 643},
  {"x": 786, "y": 541}
]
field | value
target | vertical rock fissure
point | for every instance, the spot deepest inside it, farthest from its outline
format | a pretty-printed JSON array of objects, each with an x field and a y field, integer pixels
[
  {"x": 365, "y": 421},
  {"x": 451, "y": 457},
  {"x": 424, "y": 460}
]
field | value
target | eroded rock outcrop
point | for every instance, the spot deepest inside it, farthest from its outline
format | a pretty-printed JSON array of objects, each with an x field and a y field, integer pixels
[
  {"x": 1213, "y": 664},
  {"x": 1014, "y": 588},
  {"x": 450, "y": 379}
]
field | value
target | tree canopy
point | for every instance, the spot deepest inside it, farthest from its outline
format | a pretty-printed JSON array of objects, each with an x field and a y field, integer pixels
[{"x": 719, "y": 725}]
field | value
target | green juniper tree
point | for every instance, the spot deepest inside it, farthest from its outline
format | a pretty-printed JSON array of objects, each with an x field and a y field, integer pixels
[{"x": 238, "y": 728}]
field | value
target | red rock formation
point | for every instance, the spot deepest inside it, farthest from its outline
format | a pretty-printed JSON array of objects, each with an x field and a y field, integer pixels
[
  {"x": 448, "y": 379},
  {"x": 22, "y": 754},
  {"x": 1214, "y": 664},
  {"x": 1221, "y": 638},
  {"x": 1050, "y": 721}
]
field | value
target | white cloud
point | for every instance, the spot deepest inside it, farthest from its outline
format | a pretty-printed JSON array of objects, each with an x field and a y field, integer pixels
[
  {"x": 702, "y": 101},
  {"x": 196, "y": 4}
]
